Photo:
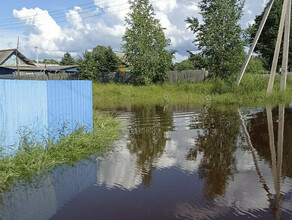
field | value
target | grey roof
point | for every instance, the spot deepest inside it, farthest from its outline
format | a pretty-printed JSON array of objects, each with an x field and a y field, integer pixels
[
  {"x": 5, "y": 54},
  {"x": 40, "y": 68},
  {"x": 27, "y": 68},
  {"x": 60, "y": 67}
]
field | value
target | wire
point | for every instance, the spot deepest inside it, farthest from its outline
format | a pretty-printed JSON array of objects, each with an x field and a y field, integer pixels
[
  {"x": 84, "y": 17},
  {"x": 19, "y": 24},
  {"x": 54, "y": 12}
]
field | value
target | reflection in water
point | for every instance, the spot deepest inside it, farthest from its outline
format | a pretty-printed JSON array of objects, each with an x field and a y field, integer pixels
[
  {"x": 276, "y": 161},
  {"x": 203, "y": 163},
  {"x": 217, "y": 144},
  {"x": 42, "y": 199},
  {"x": 147, "y": 137}
]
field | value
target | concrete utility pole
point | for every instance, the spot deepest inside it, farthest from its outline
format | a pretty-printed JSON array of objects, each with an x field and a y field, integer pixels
[
  {"x": 286, "y": 48},
  {"x": 258, "y": 34},
  {"x": 284, "y": 23},
  {"x": 277, "y": 48}
]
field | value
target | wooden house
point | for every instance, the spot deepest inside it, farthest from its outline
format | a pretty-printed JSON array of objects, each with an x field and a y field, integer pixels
[{"x": 9, "y": 59}]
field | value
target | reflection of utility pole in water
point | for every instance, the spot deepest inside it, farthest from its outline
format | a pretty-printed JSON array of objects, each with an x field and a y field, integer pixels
[
  {"x": 276, "y": 160},
  {"x": 253, "y": 152}
]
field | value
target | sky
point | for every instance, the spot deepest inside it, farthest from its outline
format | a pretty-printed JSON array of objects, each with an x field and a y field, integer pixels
[{"x": 73, "y": 26}]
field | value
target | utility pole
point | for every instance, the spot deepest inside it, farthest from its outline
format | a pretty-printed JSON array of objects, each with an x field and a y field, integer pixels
[
  {"x": 278, "y": 46},
  {"x": 258, "y": 34},
  {"x": 16, "y": 54},
  {"x": 37, "y": 55},
  {"x": 284, "y": 25}
]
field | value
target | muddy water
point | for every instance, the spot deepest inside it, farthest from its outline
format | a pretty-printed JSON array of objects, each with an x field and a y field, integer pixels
[{"x": 199, "y": 163}]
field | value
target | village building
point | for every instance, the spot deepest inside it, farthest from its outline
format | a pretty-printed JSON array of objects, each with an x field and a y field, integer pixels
[{"x": 12, "y": 62}]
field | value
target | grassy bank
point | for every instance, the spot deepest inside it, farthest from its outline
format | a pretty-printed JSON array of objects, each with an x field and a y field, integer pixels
[
  {"x": 251, "y": 93},
  {"x": 33, "y": 160}
]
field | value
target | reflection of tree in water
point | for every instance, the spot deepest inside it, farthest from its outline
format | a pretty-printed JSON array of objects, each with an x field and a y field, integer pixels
[
  {"x": 258, "y": 130},
  {"x": 147, "y": 136},
  {"x": 217, "y": 144}
]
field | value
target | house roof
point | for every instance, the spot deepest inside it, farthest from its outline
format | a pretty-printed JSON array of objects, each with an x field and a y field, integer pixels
[
  {"x": 58, "y": 67},
  {"x": 26, "y": 68},
  {"x": 5, "y": 54},
  {"x": 40, "y": 68},
  {"x": 122, "y": 57}
]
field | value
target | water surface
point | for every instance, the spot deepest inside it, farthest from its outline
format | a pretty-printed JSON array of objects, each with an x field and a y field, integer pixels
[{"x": 173, "y": 163}]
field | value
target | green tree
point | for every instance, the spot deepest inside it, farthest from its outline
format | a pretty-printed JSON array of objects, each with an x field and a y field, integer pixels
[
  {"x": 219, "y": 37},
  {"x": 144, "y": 44},
  {"x": 88, "y": 68},
  {"x": 267, "y": 41},
  {"x": 184, "y": 65},
  {"x": 256, "y": 66},
  {"x": 67, "y": 59},
  {"x": 198, "y": 61},
  {"x": 100, "y": 59},
  {"x": 50, "y": 61}
]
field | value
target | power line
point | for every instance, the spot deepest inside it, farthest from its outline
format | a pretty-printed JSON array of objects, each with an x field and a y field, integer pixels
[
  {"x": 84, "y": 17},
  {"x": 19, "y": 24},
  {"x": 61, "y": 11}
]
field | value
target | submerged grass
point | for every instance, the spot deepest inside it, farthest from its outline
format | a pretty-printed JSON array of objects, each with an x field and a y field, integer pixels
[
  {"x": 251, "y": 92},
  {"x": 35, "y": 160}
]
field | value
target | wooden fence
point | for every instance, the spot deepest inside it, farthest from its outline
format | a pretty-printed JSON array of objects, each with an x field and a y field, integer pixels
[
  {"x": 117, "y": 77},
  {"x": 187, "y": 76},
  {"x": 173, "y": 76},
  {"x": 61, "y": 76}
]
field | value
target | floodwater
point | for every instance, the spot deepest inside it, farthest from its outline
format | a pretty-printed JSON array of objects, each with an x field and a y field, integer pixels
[{"x": 174, "y": 163}]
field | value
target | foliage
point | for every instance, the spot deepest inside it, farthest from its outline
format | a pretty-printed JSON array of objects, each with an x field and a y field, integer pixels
[
  {"x": 251, "y": 92},
  {"x": 144, "y": 44},
  {"x": 256, "y": 66},
  {"x": 198, "y": 61},
  {"x": 49, "y": 61},
  {"x": 67, "y": 59},
  {"x": 267, "y": 41},
  {"x": 34, "y": 160},
  {"x": 219, "y": 37},
  {"x": 87, "y": 67},
  {"x": 100, "y": 59},
  {"x": 184, "y": 65}
]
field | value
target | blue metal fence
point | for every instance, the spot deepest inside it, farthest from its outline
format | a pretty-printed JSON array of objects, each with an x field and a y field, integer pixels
[{"x": 43, "y": 108}]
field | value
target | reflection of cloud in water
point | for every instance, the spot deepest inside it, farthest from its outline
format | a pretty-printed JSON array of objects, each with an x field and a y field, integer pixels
[
  {"x": 178, "y": 145},
  {"x": 175, "y": 155},
  {"x": 187, "y": 211},
  {"x": 119, "y": 169},
  {"x": 245, "y": 192}
]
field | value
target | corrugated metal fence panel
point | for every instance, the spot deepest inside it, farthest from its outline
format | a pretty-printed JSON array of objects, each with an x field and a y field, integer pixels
[
  {"x": 82, "y": 103},
  {"x": 45, "y": 109},
  {"x": 69, "y": 106},
  {"x": 24, "y": 112}
]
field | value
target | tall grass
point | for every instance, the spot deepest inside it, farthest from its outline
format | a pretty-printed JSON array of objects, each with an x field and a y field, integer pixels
[
  {"x": 251, "y": 92},
  {"x": 35, "y": 160}
]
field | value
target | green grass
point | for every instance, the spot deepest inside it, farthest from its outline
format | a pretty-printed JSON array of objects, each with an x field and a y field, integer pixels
[
  {"x": 34, "y": 161},
  {"x": 252, "y": 92}
]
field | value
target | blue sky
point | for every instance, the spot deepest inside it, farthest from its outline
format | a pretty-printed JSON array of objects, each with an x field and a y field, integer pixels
[{"x": 58, "y": 26}]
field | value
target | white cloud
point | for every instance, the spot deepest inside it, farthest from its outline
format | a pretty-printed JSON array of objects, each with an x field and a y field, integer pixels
[{"x": 85, "y": 29}]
